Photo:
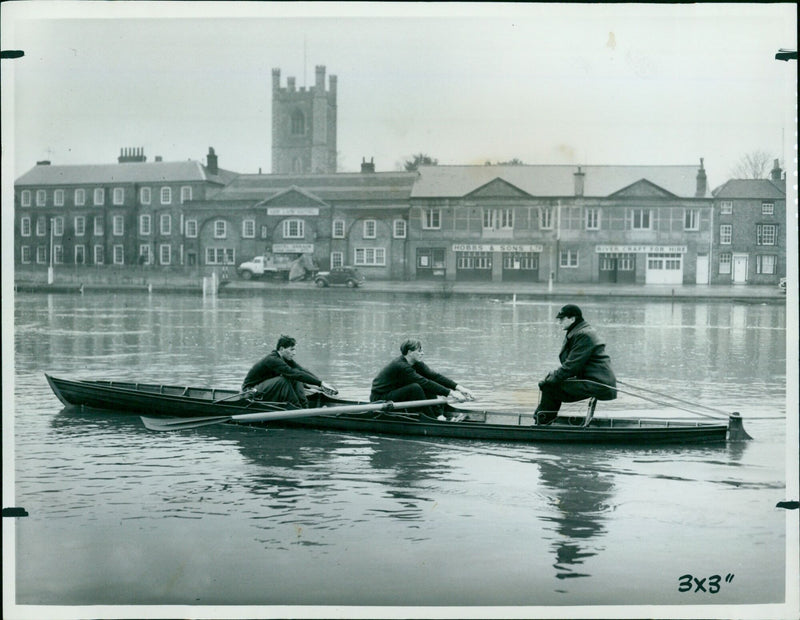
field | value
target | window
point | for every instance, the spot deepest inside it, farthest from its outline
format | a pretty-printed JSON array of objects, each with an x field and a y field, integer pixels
[
  {"x": 249, "y": 229},
  {"x": 26, "y": 198},
  {"x": 145, "y": 195},
  {"x": 399, "y": 229},
  {"x": 725, "y": 263},
  {"x": 99, "y": 196},
  {"x": 498, "y": 219},
  {"x": 118, "y": 196},
  {"x": 691, "y": 219},
  {"x": 546, "y": 218},
  {"x": 41, "y": 198},
  {"x": 58, "y": 198},
  {"x": 592, "y": 219},
  {"x": 725, "y": 234},
  {"x": 294, "y": 229},
  {"x": 220, "y": 229},
  {"x": 670, "y": 262},
  {"x": 80, "y": 226},
  {"x": 640, "y": 219},
  {"x": 144, "y": 254},
  {"x": 338, "y": 229},
  {"x": 119, "y": 255},
  {"x": 186, "y": 193},
  {"x": 431, "y": 219},
  {"x": 370, "y": 256},
  {"x": 165, "y": 253},
  {"x": 41, "y": 226},
  {"x": 191, "y": 228},
  {"x": 767, "y": 208},
  {"x": 99, "y": 255},
  {"x": 41, "y": 254},
  {"x": 220, "y": 256},
  {"x": 370, "y": 227},
  {"x": 25, "y": 254},
  {"x": 765, "y": 234},
  {"x": 58, "y": 226},
  {"x": 726, "y": 207},
  {"x": 298, "y": 123},
  {"x": 80, "y": 197},
  {"x": 118, "y": 225},
  {"x": 474, "y": 260},
  {"x": 80, "y": 254},
  {"x": 25, "y": 226},
  {"x": 165, "y": 224},
  {"x": 766, "y": 264},
  {"x": 337, "y": 259},
  {"x": 58, "y": 254},
  {"x": 166, "y": 195},
  {"x": 568, "y": 258},
  {"x": 98, "y": 226},
  {"x": 264, "y": 232},
  {"x": 144, "y": 224}
]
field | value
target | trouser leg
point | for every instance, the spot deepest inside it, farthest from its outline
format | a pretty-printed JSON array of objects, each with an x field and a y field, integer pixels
[
  {"x": 413, "y": 391},
  {"x": 280, "y": 389},
  {"x": 549, "y": 404}
]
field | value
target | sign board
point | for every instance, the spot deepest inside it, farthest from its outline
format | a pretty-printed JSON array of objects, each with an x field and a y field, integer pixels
[
  {"x": 292, "y": 211},
  {"x": 292, "y": 248},
  {"x": 495, "y": 247},
  {"x": 640, "y": 249}
]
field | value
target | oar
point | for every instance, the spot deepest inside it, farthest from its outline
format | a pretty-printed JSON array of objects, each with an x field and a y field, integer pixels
[{"x": 173, "y": 424}]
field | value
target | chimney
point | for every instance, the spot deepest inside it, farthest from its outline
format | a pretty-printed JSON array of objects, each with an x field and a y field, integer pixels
[
  {"x": 579, "y": 177},
  {"x": 211, "y": 161},
  {"x": 131, "y": 155},
  {"x": 44, "y": 162},
  {"x": 775, "y": 174},
  {"x": 367, "y": 167},
  {"x": 702, "y": 181}
]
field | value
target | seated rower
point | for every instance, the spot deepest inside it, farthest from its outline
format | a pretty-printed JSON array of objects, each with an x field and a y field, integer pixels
[
  {"x": 585, "y": 369},
  {"x": 278, "y": 378},
  {"x": 408, "y": 378}
]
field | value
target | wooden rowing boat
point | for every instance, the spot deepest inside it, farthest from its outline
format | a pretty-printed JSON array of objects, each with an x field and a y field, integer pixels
[{"x": 197, "y": 406}]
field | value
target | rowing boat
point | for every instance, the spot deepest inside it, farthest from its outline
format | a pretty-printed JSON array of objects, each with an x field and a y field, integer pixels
[{"x": 196, "y": 406}]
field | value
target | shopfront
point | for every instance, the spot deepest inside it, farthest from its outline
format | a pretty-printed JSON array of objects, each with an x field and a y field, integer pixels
[
  {"x": 663, "y": 264},
  {"x": 509, "y": 262},
  {"x": 430, "y": 264},
  {"x": 617, "y": 268}
]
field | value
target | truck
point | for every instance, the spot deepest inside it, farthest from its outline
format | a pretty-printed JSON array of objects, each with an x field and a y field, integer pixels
[{"x": 274, "y": 265}]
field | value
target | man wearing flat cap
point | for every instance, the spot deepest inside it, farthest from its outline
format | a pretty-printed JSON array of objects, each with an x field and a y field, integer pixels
[{"x": 585, "y": 369}]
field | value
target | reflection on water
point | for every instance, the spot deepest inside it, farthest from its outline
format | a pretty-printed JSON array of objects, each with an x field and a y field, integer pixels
[{"x": 381, "y": 519}]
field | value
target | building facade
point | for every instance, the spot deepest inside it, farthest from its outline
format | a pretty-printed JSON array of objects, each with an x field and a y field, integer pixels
[
  {"x": 303, "y": 126},
  {"x": 750, "y": 230}
]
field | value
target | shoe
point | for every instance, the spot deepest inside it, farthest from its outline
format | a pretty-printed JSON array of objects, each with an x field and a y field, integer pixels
[
  {"x": 458, "y": 418},
  {"x": 441, "y": 418}
]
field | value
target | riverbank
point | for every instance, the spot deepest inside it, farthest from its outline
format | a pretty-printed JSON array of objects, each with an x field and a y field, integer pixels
[{"x": 506, "y": 291}]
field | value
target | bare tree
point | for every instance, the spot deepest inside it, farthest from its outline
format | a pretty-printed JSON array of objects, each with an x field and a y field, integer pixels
[
  {"x": 420, "y": 159},
  {"x": 516, "y": 161},
  {"x": 753, "y": 165}
]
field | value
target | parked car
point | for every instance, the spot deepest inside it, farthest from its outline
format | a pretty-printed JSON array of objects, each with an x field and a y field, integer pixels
[
  {"x": 782, "y": 284},
  {"x": 347, "y": 276}
]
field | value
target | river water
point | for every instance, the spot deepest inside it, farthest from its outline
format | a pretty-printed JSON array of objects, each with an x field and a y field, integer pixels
[{"x": 221, "y": 515}]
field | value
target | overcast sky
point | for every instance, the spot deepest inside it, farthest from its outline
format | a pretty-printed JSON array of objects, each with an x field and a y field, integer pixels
[{"x": 548, "y": 84}]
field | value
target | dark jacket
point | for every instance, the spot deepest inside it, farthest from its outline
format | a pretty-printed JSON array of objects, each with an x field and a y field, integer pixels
[
  {"x": 273, "y": 365},
  {"x": 399, "y": 373},
  {"x": 583, "y": 356}
]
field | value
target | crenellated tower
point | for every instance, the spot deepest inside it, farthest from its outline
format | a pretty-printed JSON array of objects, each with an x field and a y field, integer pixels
[{"x": 303, "y": 126}]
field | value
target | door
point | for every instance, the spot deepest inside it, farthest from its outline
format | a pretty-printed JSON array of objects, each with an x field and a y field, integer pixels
[
  {"x": 702, "y": 269},
  {"x": 739, "y": 268},
  {"x": 664, "y": 269}
]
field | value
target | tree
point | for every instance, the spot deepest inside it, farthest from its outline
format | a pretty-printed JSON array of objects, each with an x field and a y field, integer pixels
[
  {"x": 511, "y": 162},
  {"x": 753, "y": 165},
  {"x": 420, "y": 159}
]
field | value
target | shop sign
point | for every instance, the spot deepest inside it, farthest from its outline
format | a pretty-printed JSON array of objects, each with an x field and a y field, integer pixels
[
  {"x": 284, "y": 211},
  {"x": 640, "y": 249},
  {"x": 495, "y": 247},
  {"x": 292, "y": 248}
]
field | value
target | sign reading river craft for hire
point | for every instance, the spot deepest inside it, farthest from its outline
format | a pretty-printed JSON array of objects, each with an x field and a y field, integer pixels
[{"x": 640, "y": 249}]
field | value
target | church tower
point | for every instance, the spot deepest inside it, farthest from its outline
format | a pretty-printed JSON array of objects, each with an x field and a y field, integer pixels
[{"x": 303, "y": 126}]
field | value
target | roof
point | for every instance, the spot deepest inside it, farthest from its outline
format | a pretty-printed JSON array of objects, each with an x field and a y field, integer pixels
[
  {"x": 555, "y": 181},
  {"x": 327, "y": 187},
  {"x": 132, "y": 172},
  {"x": 751, "y": 188}
]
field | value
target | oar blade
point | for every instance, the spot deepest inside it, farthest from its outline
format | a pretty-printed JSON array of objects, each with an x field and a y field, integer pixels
[{"x": 176, "y": 424}]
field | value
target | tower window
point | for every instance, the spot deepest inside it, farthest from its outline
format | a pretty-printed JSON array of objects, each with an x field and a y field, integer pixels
[{"x": 298, "y": 123}]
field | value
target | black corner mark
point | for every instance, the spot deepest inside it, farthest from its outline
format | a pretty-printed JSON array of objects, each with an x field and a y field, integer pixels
[
  {"x": 788, "y": 505},
  {"x": 15, "y": 512},
  {"x": 11, "y": 54}
]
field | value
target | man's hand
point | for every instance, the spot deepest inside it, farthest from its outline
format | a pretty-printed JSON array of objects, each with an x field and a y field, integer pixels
[
  {"x": 468, "y": 395},
  {"x": 328, "y": 389},
  {"x": 457, "y": 396}
]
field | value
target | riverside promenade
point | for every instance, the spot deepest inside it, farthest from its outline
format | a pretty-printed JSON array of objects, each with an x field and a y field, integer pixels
[{"x": 504, "y": 291}]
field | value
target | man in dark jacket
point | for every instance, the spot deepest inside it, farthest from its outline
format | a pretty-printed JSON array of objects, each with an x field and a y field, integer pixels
[
  {"x": 408, "y": 378},
  {"x": 278, "y": 378},
  {"x": 585, "y": 369}
]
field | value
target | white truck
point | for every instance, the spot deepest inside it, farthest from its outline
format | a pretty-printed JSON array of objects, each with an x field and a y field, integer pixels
[{"x": 267, "y": 265}]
